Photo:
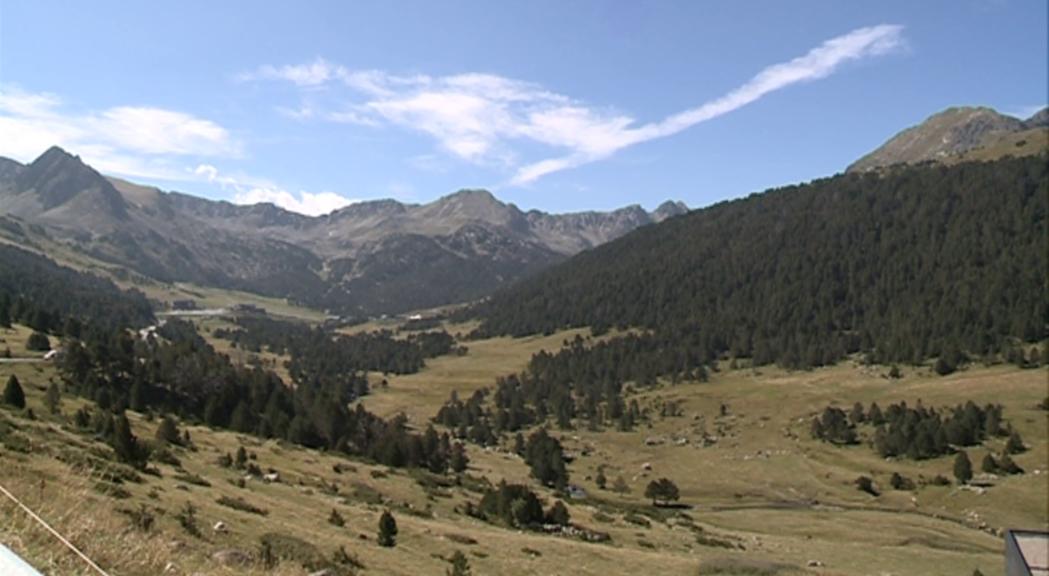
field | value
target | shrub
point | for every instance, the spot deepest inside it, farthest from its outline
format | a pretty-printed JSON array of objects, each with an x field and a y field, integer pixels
[
  {"x": 745, "y": 567},
  {"x": 112, "y": 490},
  {"x": 275, "y": 547},
  {"x": 141, "y": 518},
  {"x": 164, "y": 456},
  {"x": 637, "y": 519},
  {"x": 340, "y": 557},
  {"x": 865, "y": 484},
  {"x": 190, "y": 478},
  {"x": 336, "y": 519},
  {"x": 899, "y": 482},
  {"x": 187, "y": 518},
  {"x": 241, "y": 505},
  {"x": 940, "y": 480},
  {"x": 715, "y": 542},
  {"x": 461, "y": 539}
]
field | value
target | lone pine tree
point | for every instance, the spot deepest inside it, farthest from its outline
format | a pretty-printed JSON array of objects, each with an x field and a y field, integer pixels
[
  {"x": 13, "y": 393},
  {"x": 963, "y": 468},
  {"x": 387, "y": 530}
]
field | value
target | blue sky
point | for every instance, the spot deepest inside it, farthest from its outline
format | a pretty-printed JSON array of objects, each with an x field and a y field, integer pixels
[{"x": 556, "y": 105}]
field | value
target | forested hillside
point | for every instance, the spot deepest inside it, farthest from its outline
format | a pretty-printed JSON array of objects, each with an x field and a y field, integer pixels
[
  {"x": 39, "y": 293},
  {"x": 905, "y": 264}
]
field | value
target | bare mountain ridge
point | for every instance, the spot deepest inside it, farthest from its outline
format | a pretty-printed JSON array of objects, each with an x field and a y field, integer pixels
[
  {"x": 958, "y": 134},
  {"x": 371, "y": 257}
]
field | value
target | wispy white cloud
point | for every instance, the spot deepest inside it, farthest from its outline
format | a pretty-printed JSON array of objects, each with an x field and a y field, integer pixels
[
  {"x": 252, "y": 190},
  {"x": 306, "y": 203},
  {"x": 144, "y": 142},
  {"x": 479, "y": 117},
  {"x": 818, "y": 63},
  {"x": 126, "y": 140}
]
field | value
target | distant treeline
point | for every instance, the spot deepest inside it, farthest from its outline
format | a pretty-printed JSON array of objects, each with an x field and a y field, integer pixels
[
  {"x": 50, "y": 298},
  {"x": 902, "y": 265},
  {"x": 918, "y": 433},
  {"x": 320, "y": 353}
]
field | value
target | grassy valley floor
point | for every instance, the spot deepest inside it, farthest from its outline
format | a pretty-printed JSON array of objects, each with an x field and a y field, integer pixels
[{"x": 763, "y": 497}]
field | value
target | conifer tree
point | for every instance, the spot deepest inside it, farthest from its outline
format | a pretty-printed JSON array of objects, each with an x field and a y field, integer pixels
[
  {"x": 124, "y": 442},
  {"x": 53, "y": 398},
  {"x": 600, "y": 480},
  {"x": 558, "y": 514},
  {"x": 1006, "y": 464},
  {"x": 5, "y": 313},
  {"x": 963, "y": 469},
  {"x": 458, "y": 460},
  {"x": 167, "y": 431},
  {"x": 13, "y": 393},
  {"x": 387, "y": 530},
  {"x": 460, "y": 566},
  {"x": 988, "y": 464},
  {"x": 1015, "y": 444}
]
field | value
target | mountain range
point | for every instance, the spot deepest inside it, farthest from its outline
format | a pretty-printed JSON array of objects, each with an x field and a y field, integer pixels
[
  {"x": 384, "y": 256},
  {"x": 372, "y": 257}
]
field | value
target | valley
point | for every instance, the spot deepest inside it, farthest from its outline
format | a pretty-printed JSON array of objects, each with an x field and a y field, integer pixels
[
  {"x": 764, "y": 493},
  {"x": 840, "y": 377}
]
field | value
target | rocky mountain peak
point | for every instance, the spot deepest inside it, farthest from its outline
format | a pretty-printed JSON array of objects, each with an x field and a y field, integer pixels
[
  {"x": 669, "y": 209},
  {"x": 57, "y": 177},
  {"x": 1039, "y": 119},
  {"x": 472, "y": 206},
  {"x": 953, "y": 131}
]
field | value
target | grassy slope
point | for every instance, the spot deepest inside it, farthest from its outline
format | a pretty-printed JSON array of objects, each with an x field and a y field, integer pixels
[{"x": 764, "y": 484}]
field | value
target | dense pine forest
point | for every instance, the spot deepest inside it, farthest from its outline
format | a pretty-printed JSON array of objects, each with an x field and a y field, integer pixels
[
  {"x": 174, "y": 370},
  {"x": 317, "y": 352},
  {"x": 50, "y": 298},
  {"x": 902, "y": 265}
]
